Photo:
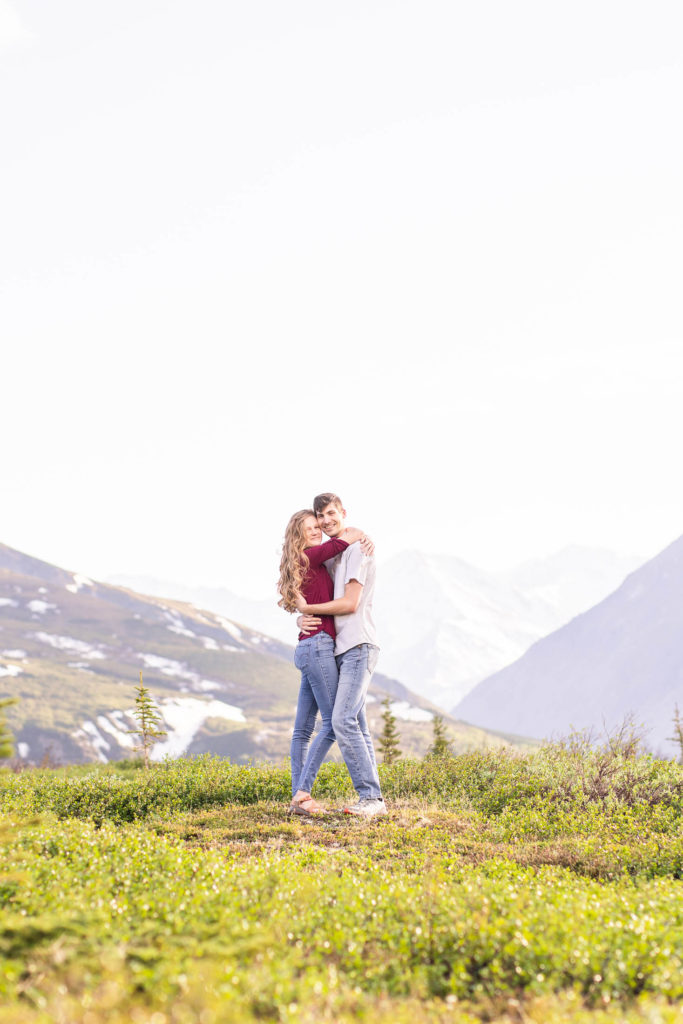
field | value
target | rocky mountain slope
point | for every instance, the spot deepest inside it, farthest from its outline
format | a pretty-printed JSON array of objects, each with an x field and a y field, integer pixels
[
  {"x": 623, "y": 656},
  {"x": 71, "y": 650}
]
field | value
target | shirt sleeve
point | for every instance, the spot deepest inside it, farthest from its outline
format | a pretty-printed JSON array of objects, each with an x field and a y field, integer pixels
[
  {"x": 356, "y": 565},
  {"x": 320, "y": 553}
]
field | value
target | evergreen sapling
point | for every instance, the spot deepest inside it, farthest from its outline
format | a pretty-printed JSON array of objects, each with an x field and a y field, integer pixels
[
  {"x": 677, "y": 737},
  {"x": 149, "y": 719},
  {"x": 389, "y": 739},
  {"x": 441, "y": 744}
]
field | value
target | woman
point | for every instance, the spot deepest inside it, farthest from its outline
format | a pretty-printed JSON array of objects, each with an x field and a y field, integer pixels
[{"x": 303, "y": 573}]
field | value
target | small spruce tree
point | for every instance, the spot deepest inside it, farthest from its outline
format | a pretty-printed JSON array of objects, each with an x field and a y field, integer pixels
[
  {"x": 441, "y": 744},
  {"x": 6, "y": 737},
  {"x": 389, "y": 739},
  {"x": 149, "y": 720},
  {"x": 677, "y": 737}
]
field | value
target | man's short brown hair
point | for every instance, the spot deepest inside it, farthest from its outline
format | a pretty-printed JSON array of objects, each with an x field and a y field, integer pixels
[{"x": 321, "y": 501}]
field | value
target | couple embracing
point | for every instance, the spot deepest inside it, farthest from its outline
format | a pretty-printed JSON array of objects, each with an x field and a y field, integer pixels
[{"x": 332, "y": 585}]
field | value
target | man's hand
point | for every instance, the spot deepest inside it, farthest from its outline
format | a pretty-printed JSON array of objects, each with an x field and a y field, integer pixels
[
  {"x": 301, "y": 605},
  {"x": 366, "y": 545},
  {"x": 307, "y": 623}
]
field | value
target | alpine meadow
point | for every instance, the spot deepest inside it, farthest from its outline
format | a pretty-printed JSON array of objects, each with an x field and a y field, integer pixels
[{"x": 504, "y": 886}]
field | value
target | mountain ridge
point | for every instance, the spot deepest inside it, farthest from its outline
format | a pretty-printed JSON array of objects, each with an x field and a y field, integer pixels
[{"x": 624, "y": 655}]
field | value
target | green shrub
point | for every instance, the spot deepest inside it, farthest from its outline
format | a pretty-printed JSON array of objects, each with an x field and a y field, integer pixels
[{"x": 552, "y": 785}]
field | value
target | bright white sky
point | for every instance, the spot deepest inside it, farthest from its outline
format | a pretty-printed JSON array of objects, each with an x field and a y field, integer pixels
[{"x": 427, "y": 254}]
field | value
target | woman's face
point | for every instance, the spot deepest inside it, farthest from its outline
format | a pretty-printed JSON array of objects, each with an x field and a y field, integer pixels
[{"x": 312, "y": 532}]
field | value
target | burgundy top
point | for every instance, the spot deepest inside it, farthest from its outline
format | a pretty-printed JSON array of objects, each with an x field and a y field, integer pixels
[{"x": 318, "y": 586}]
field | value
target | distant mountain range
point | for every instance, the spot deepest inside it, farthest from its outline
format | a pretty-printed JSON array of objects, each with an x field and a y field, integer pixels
[
  {"x": 71, "y": 650},
  {"x": 623, "y": 655},
  {"x": 445, "y": 625}
]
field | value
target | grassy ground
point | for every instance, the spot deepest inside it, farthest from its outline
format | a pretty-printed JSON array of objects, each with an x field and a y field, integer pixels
[{"x": 541, "y": 887}]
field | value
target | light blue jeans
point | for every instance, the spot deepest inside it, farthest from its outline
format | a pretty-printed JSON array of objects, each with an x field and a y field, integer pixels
[
  {"x": 349, "y": 723},
  {"x": 314, "y": 657}
]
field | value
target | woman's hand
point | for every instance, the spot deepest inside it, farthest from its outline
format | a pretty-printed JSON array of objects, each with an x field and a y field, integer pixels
[
  {"x": 352, "y": 534},
  {"x": 366, "y": 545}
]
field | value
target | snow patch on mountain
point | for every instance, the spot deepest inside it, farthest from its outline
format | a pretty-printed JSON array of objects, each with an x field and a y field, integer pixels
[
  {"x": 114, "y": 724},
  {"x": 181, "y": 630},
  {"x": 119, "y": 718},
  {"x": 178, "y": 670},
  {"x": 97, "y": 741},
  {"x": 198, "y": 614},
  {"x": 208, "y": 684},
  {"x": 409, "y": 713},
  {"x": 177, "y": 625},
  {"x": 184, "y": 716},
  {"x": 168, "y": 667},
  {"x": 115, "y": 730},
  {"x": 404, "y": 710},
  {"x": 10, "y": 670},
  {"x": 8, "y": 602},
  {"x": 79, "y": 582},
  {"x": 39, "y": 607},
  {"x": 69, "y": 644},
  {"x": 229, "y": 627}
]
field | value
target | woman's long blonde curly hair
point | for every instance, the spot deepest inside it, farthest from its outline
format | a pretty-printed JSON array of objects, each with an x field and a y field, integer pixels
[{"x": 294, "y": 563}]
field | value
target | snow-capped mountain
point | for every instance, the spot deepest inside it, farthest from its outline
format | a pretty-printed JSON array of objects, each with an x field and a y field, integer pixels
[
  {"x": 445, "y": 625},
  {"x": 623, "y": 656}
]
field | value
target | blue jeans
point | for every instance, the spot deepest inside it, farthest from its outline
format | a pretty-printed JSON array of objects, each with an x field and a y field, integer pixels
[
  {"x": 349, "y": 722},
  {"x": 314, "y": 657}
]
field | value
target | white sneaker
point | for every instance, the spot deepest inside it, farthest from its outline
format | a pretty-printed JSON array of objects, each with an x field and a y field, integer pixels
[{"x": 368, "y": 809}]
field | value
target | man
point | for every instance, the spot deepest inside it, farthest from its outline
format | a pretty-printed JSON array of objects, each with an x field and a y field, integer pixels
[{"x": 356, "y": 654}]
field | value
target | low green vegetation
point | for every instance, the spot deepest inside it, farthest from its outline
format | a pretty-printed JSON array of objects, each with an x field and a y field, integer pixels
[
  {"x": 502, "y": 887},
  {"x": 6, "y": 737}
]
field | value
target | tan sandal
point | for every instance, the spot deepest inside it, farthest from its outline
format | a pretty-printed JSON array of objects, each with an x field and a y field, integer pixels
[{"x": 307, "y": 807}]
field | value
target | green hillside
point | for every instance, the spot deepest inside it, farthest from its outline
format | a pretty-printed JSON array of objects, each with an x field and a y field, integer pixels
[{"x": 71, "y": 650}]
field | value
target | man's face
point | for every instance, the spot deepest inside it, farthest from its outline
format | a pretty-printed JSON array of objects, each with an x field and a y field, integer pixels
[{"x": 331, "y": 519}]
